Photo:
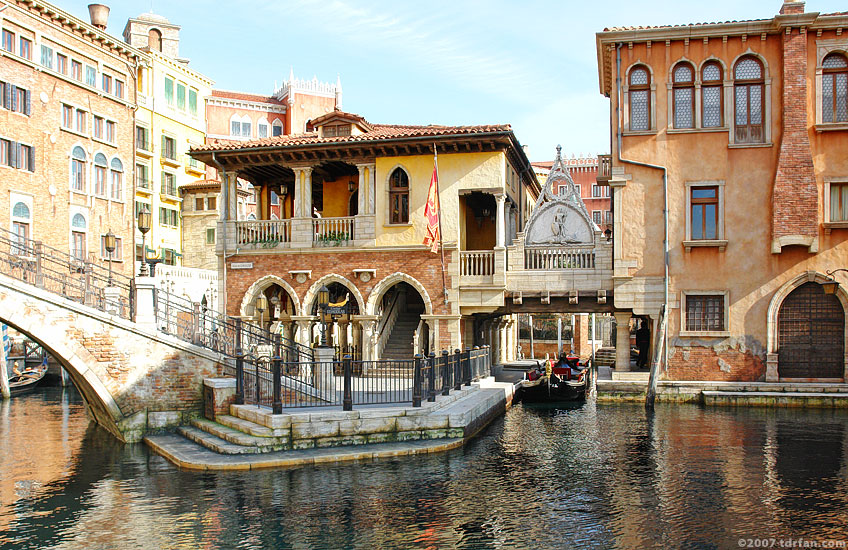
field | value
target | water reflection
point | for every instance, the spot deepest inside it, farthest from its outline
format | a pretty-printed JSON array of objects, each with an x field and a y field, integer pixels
[{"x": 541, "y": 477}]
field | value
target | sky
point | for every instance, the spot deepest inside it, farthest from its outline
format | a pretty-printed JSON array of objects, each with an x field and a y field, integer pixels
[{"x": 528, "y": 63}]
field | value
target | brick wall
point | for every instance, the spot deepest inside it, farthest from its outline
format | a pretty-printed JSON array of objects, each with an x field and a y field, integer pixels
[
  {"x": 422, "y": 265},
  {"x": 700, "y": 363},
  {"x": 795, "y": 198}
]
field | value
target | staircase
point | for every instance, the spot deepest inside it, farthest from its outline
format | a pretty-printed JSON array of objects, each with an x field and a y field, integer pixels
[{"x": 400, "y": 343}]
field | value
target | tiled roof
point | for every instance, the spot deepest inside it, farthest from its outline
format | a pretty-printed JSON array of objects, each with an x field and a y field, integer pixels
[
  {"x": 834, "y": 14},
  {"x": 241, "y": 96},
  {"x": 648, "y": 27},
  {"x": 379, "y": 132},
  {"x": 336, "y": 113},
  {"x": 199, "y": 184}
]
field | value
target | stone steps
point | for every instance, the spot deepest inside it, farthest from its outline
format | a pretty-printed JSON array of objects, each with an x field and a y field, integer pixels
[
  {"x": 215, "y": 443},
  {"x": 249, "y": 427},
  {"x": 238, "y": 437},
  {"x": 818, "y": 399},
  {"x": 631, "y": 376}
]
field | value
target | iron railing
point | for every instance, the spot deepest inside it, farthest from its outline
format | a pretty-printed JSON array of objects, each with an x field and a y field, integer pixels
[
  {"x": 267, "y": 380},
  {"x": 62, "y": 273},
  {"x": 191, "y": 322}
]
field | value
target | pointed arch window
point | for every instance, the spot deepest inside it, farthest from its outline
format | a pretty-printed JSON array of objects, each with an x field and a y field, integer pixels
[
  {"x": 835, "y": 88},
  {"x": 748, "y": 95},
  {"x": 399, "y": 196},
  {"x": 639, "y": 90},
  {"x": 711, "y": 95},
  {"x": 684, "y": 95}
]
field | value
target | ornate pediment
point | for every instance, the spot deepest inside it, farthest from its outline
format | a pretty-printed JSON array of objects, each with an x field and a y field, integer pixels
[{"x": 559, "y": 219}]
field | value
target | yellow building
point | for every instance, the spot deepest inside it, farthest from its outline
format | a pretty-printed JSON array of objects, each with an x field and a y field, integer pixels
[{"x": 170, "y": 120}]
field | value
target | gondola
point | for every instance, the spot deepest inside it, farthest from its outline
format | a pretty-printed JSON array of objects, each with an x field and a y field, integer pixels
[
  {"x": 564, "y": 382},
  {"x": 26, "y": 381}
]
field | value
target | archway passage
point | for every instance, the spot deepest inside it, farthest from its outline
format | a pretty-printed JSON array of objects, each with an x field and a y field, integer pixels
[
  {"x": 401, "y": 308},
  {"x": 811, "y": 334}
]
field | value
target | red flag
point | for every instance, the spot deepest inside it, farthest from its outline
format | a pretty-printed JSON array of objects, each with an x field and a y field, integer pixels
[{"x": 431, "y": 212}]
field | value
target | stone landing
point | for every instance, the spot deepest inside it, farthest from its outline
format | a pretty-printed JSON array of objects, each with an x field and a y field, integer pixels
[{"x": 250, "y": 437}]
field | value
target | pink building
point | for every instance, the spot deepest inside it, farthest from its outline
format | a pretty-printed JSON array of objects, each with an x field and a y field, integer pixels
[{"x": 584, "y": 172}]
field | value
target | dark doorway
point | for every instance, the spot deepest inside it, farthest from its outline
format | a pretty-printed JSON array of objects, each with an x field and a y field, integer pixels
[{"x": 811, "y": 334}]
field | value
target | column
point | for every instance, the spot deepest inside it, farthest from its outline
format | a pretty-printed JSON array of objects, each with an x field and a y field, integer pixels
[
  {"x": 371, "y": 185},
  {"x": 369, "y": 343},
  {"x": 232, "y": 196},
  {"x": 622, "y": 341},
  {"x": 306, "y": 208},
  {"x": 501, "y": 221},
  {"x": 362, "y": 198},
  {"x": 302, "y": 336},
  {"x": 297, "y": 199}
]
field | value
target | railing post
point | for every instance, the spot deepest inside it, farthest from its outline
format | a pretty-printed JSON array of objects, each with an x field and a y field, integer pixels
[
  {"x": 39, "y": 276},
  {"x": 196, "y": 322},
  {"x": 237, "y": 336},
  {"x": 276, "y": 367},
  {"x": 416, "y": 380},
  {"x": 445, "y": 369},
  {"x": 347, "y": 399},
  {"x": 461, "y": 366},
  {"x": 473, "y": 363},
  {"x": 431, "y": 378},
  {"x": 239, "y": 378}
]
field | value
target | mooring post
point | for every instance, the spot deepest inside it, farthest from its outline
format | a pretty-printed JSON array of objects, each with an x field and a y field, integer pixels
[
  {"x": 276, "y": 366},
  {"x": 416, "y": 380},
  {"x": 239, "y": 378},
  {"x": 431, "y": 378},
  {"x": 347, "y": 400}
]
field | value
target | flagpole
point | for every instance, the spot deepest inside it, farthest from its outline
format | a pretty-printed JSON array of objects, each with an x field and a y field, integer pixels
[{"x": 441, "y": 229}]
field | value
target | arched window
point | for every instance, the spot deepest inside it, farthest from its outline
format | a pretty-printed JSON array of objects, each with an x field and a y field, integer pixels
[
  {"x": 748, "y": 95},
  {"x": 711, "y": 102},
  {"x": 835, "y": 88},
  {"x": 684, "y": 95},
  {"x": 117, "y": 179},
  {"x": 154, "y": 40},
  {"x": 277, "y": 128},
  {"x": 100, "y": 175},
  {"x": 20, "y": 228},
  {"x": 78, "y": 227},
  {"x": 78, "y": 169},
  {"x": 240, "y": 126},
  {"x": 262, "y": 128},
  {"x": 399, "y": 197},
  {"x": 640, "y": 98},
  {"x": 20, "y": 210}
]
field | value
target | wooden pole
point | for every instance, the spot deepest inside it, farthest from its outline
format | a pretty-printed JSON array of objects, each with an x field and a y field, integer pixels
[
  {"x": 651, "y": 392},
  {"x": 439, "y": 200}
]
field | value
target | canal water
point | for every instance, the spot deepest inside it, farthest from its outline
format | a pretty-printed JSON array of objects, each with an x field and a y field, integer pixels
[{"x": 590, "y": 476}]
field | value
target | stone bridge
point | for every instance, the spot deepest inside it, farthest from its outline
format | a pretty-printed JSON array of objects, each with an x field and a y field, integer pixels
[{"x": 134, "y": 379}]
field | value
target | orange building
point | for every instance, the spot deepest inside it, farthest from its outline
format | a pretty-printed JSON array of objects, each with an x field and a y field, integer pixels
[
  {"x": 584, "y": 172},
  {"x": 735, "y": 133}
]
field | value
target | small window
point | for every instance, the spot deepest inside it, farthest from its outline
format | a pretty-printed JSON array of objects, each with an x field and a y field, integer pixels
[
  {"x": 181, "y": 96},
  {"x": 198, "y": 203},
  {"x": 399, "y": 196},
  {"x": 20, "y": 210},
  {"x": 839, "y": 202},
  {"x": 154, "y": 40},
  {"x": 142, "y": 138},
  {"x": 78, "y": 245},
  {"x": 46, "y": 57},
  {"x": 211, "y": 203},
  {"x": 704, "y": 213},
  {"x": 100, "y": 169},
  {"x": 596, "y": 217},
  {"x": 78, "y": 169},
  {"x": 8, "y": 41},
  {"x": 116, "y": 177},
  {"x": 705, "y": 313},
  {"x": 61, "y": 63},
  {"x": 169, "y": 91},
  {"x": 76, "y": 70},
  {"x": 80, "y": 121},
  {"x": 640, "y": 98},
  {"x": 169, "y": 184},
  {"x": 711, "y": 95},
  {"x": 142, "y": 180},
  {"x": 684, "y": 96},
  {"x": 192, "y": 102},
  {"x": 110, "y": 131},
  {"x": 169, "y": 148},
  {"x": 26, "y": 157},
  {"x": 78, "y": 222},
  {"x": 117, "y": 254},
  {"x": 600, "y": 191},
  {"x": 748, "y": 93},
  {"x": 835, "y": 88},
  {"x": 90, "y": 76},
  {"x": 275, "y": 199},
  {"x": 119, "y": 88},
  {"x": 210, "y": 236},
  {"x": 6, "y": 156},
  {"x": 262, "y": 129},
  {"x": 98, "y": 127},
  {"x": 67, "y": 117},
  {"x": 107, "y": 83},
  {"x": 277, "y": 128},
  {"x": 26, "y": 48}
]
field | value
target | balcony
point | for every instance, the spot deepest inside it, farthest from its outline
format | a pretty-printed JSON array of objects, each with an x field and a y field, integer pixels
[
  {"x": 477, "y": 263},
  {"x": 604, "y": 169},
  {"x": 295, "y": 233},
  {"x": 333, "y": 231},
  {"x": 259, "y": 234}
]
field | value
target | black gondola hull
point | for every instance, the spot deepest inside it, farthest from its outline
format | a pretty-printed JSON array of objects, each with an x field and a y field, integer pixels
[{"x": 541, "y": 391}]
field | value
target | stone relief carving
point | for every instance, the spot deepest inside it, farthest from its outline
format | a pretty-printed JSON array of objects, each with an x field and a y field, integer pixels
[{"x": 559, "y": 219}]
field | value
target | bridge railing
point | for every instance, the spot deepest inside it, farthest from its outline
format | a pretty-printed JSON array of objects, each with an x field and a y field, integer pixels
[
  {"x": 268, "y": 380},
  {"x": 558, "y": 257},
  {"x": 190, "y": 321},
  {"x": 66, "y": 274}
]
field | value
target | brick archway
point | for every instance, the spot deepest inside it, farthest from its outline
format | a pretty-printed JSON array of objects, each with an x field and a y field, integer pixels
[
  {"x": 388, "y": 282},
  {"x": 312, "y": 293},
  {"x": 246, "y": 309}
]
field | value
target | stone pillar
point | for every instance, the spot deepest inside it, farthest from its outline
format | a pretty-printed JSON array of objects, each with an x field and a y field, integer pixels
[
  {"x": 306, "y": 209},
  {"x": 232, "y": 196},
  {"x": 500, "y": 224},
  {"x": 362, "y": 198},
  {"x": 302, "y": 336},
  {"x": 369, "y": 340},
  {"x": 622, "y": 341},
  {"x": 145, "y": 314},
  {"x": 297, "y": 198},
  {"x": 580, "y": 330},
  {"x": 322, "y": 372},
  {"x": 372, "y": 187}
]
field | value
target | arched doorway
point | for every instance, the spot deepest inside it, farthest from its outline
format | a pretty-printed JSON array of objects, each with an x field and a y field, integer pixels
[
  {"x": 342, "y": 334},
  {"x": 400, "y": 310},
  {"x": 811, "y": 334}
]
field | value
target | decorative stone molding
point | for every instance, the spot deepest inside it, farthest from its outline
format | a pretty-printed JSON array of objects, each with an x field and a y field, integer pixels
[
  {"x": 364, "y": 275},
  {"x": 301, "y": 275}
]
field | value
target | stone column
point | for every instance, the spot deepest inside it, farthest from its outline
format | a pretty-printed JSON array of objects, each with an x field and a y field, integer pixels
[
  {"x": 369, "y": 341},
  {"x": 501, "y": 221},
  {"x": 362, "y": 198},
  {"x": 145, "y": 314},
  {"x": 232, "y": 196},
  {"x": 622, "y": 341},
  {"x": 302, "y": 336},
  {"x": 306, "y": 209},
  {"x": 371, "y": 185},
  {"x": 297, "y": 198}
]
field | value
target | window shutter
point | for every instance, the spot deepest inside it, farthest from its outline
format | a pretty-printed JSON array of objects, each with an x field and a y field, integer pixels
[
  {"x": 28, "y": 102},
  {"x": 31, "y": 156},
  {"x": 14, "y": 150},
  {"x": 163, "y": 146},
  {"x": 7, "y": 96},
  {"x": 14, "y": 101}
]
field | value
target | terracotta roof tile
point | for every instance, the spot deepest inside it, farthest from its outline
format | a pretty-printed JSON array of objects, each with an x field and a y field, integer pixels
[
  {"x": 242, "y": 96},
  {"x": 379, "y": 132},
  {"x": 649, "y": 27}
]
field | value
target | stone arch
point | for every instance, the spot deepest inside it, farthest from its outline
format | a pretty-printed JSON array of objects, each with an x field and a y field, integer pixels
[
  {"x": 312, "y": 293},
  {"x": 261, "y": 284},
  {"x": 714, "y": 59},
  {"x": 747, "y": 53},
  {"x": 388, "y": 282},
  {"x": 687, "y": 61}
]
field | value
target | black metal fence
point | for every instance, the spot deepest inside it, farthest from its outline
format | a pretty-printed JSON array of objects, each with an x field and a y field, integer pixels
[
  {"x": 269, "y": 380},
  {"x": 64, "y": 274},
  {"x": 192, "y": 322}
]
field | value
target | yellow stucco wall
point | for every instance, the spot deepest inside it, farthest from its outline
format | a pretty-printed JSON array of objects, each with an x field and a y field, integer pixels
[{"x": 460, "y": 171}]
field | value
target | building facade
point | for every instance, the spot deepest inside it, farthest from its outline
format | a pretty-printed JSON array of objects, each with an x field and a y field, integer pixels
[
  {"x": 171, "y": 119},
  {"x": 66, "y": 133},
  {"x": 352, "y": 219},
  {"x": 741, "y": 129},
  {"x": 584, "y": 172}
]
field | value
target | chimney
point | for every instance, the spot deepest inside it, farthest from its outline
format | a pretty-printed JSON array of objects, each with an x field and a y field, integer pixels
[
  {"x": 792, "y": 7},
  {"x": 99, "y": 15}
]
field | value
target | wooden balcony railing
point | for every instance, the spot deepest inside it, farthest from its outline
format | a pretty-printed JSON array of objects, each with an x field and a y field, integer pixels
[
  {"x": 553, "y": 258},
  {"x": 477, "y": 263},
  {"x": 332, "y": 231},
  {"x": 265, "y": 233},
  {"x": 604, "y": 168}
]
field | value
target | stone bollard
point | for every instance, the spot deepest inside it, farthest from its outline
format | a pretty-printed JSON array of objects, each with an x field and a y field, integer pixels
[
  {"x": 145, "y": 312},
  {"x": 322, "y": 368},
  {"x": 113, "y": 299}
]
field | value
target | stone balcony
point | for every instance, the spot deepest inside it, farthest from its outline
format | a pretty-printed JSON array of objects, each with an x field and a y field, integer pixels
[{"x": 274, "y": 235}]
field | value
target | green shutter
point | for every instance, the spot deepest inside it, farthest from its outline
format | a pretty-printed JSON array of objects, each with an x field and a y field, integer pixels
[
  {"x": 169, "y": 91},
  {"x": 192, "y": 101}
]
